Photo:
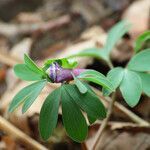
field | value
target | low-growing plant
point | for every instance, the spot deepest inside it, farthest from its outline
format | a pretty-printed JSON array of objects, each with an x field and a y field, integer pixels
[
  {"x": 77, "y": 97},
  {"x": 73, "y": 97}
]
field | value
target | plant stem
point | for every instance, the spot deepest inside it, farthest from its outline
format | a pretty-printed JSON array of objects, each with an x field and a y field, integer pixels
[
  {"x": 105, "y": 122},
  {"x": 110, "y": 64}
]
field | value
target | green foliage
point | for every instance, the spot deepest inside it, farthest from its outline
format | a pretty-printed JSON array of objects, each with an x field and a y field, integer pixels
[
  {"x": 129, "y": 83},
  {"x": 49, "y": 114},
  {"x": 63, "y": 62},
  {"x": 145, "y": 82},
  {"x": 32, "y": 66},
  {"x": 141, "y": 61},
  {"x": 72, "y": 103},
  {"x": 73, "y": 119},
  {"x": 115, "y": 76},
  {"x": 27, "y": 96},
  {"x": 79, "y": 98},
  {"x": 91, "y": 119},
  {"x": 141, "y": 40},
  {"x": 91, "y": 52},
  {"x": 88, "y": 102},
  {"x": 74, "y": 98},
  {"x": 115, "y": 34},
  {"x": 29, "y": 71},
  {"x": 131, "y": 87},
  {"x": 82, "y": 88},
  {"x": 24, "y": 73},
  {"x": 96, "y": 77}
]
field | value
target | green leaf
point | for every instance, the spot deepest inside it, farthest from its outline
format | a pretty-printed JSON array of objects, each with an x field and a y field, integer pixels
[
  {"x": 63, "y": 62},
  {"x": 81, "y": 87},
  {"x": 89, "y": 102},
  {"x": 73, "y": 119},
  {"x": 91, "y": 52},
  {"x": 131, "y": 87},
  {"x": 88, "y": 87},
  {"x": 145, "y": 82},
  {"x": 91, "y": 119},
  {"x": 49, "y": 114},
  {"x": 31, "y": 65},
  {"x": 141, "y": 40},
  {"x": 140, "y": 62},
  {"x": 68, "y": 63},
  {"x": 90, "y": 72},
  {"x": 115, "y": 34},
  {"x": 96, "y": 77},
  {"x": 24, "y": 73},
  {"x": 29, "y": 93},
  {"x": 33, "y": 95},
  {"x": 115, "y": 76}
]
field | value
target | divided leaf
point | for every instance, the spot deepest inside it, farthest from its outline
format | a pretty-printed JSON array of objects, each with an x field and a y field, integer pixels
[
  {"x": 89, "y": 102},
  {"x": 24, "y": 73},
  {"x": 115, "y": 76},
  {"x": 96, "y": 77},
  {"x": 27, "y": 95},
  {"x": 145, "y": 82},
  {"x": 73, "y": 119},
  {"x": 140, "y": 62},
  {"x": 141, "y": 39},
  {"x": 131, "y": 87},
  {"x": 49, "y": 114}
]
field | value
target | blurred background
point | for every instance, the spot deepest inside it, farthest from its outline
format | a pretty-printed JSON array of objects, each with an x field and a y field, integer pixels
[{"x": 58, "y": 28}]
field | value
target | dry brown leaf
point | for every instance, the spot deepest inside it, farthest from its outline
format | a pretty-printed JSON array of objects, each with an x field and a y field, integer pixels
[
  {"x": 121, "y": 136},
  {"x": 92, "y": 10},
  {"x": 19, "y": 49}
]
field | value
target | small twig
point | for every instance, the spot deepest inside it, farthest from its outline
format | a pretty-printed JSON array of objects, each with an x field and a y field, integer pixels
[
  {"x": 112, "y": 103},
  {"x": 15, "y": 30},
  {"x": 104, "y": 123},
  {"x": 119, "y": 125},
  {"x": 18, "y": 134},
  {"x": 123, "y": 109}
]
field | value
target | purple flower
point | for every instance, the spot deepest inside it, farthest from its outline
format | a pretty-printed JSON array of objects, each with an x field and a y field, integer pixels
[{"x": 59, "y": 74}]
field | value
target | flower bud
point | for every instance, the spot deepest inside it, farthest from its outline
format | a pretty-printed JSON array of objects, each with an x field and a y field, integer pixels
[{"x": 58, "y": 74}]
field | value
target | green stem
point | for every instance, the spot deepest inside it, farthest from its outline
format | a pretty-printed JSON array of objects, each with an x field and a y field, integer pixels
[{"x": 110, "y": 64}]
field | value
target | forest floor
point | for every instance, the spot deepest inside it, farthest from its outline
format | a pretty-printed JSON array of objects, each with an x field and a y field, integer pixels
[{"x": 55, "y": 29}]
